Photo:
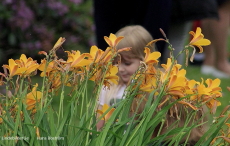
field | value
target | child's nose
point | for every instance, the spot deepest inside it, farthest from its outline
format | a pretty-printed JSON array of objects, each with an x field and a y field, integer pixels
[{"x": 121, "y": 67}]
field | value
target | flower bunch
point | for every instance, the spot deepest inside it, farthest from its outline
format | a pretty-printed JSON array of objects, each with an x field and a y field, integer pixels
[{"x": 28, "y": 106}]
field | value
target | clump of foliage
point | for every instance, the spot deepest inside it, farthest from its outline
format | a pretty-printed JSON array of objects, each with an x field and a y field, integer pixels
[{"x": 30, "y": 26}]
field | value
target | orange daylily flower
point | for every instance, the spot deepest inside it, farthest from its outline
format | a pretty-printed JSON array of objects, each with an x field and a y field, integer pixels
[
  {"x": 112, "y": 40},
  {"x": 46, "y": 70},
  {"x": 110, "y": 76},
  {"x": 104, "y": 110},
  {"x": 106, "y": 56},
  {"x": 215, "y": 92},
  {"x": 167, "y": 66},
  {"x": 22, "y": 66},
  {"x": 213, "y": 104},
  {"x": 176, "y": 80},
  {"x": 148, "y": 83},
  {"x": 76, "y": 59},
  {"x": 190, "y": 85},
  {"x": 98, "y": 55},
  {"x": 13, "y": 68},
  {"x": 55, "y": 79},
  {"x": 58, "y": 44},
  {"x": 33, "y": 97},
  {"x": 151, "y": 58},
  {"x": 198, "y": 39},
  {"x": 200, "y": 90},
  {"x": 205, "y": 94},
  {"x": 176, "y": 86},
  {"x": 214, "y": 86},
  {"x": 95, "y": 53},
  {"x": 27, "y": 66}
]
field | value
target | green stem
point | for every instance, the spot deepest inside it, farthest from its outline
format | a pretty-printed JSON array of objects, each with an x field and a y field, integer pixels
[
  {"x": 162, "y": 124},
  {"x": 60, "y": 111}
]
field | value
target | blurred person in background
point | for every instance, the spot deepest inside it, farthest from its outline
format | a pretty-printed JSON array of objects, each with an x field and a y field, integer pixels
[
  {"x": 174, "y": 17},
  {"x": 216, "y": 61},
  {"x": 183, "y": 14},
  {"x": 111, "y": 15}
]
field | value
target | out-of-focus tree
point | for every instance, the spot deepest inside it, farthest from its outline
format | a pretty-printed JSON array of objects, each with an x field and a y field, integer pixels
[{"x": 29, "y": 26}]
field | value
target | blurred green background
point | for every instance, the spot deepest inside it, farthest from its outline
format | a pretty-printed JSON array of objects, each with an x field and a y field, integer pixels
[{"x": 31, "y": 26}]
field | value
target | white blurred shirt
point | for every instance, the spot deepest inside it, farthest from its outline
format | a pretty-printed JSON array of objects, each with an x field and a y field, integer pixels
[{"x": 113, "y": 100}]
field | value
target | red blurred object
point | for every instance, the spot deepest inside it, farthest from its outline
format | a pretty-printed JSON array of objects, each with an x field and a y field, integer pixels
[{"x": 194, "y": 26}]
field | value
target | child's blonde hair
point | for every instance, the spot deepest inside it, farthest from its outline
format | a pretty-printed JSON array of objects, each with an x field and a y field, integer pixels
[{"x": 136, "y": 37}]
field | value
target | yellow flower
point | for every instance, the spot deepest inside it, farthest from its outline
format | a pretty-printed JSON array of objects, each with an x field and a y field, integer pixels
[
  {"x": 112, "y": 40},
  {"x": 214, "y": 86},
  {"x": 110, "y": 76},
  {"x": 55, "y": 79},
  {"x": 148, "y": 85},
  {"x": 200, "y": 93},
  {"x": 23, "y": 66},
  {"x": 33, "y": 97},
  {"x": 27, "y": 66},
  {"x": 190, "y": 84},
  {"x": 167, "y": 66},
  {"x": 176, "y": 85},
  {"x": 198, "y": 39},
  {"x": 151, "y": 58},
  {"x": 205, "y": 94},
  {"x": 200, "y": 90},
  {"x": 175, "y": 77},
  {"x": 104, "y": 110},
  {"x": 76, "y": 59},
  {"x": 13, "y": 68},
  {"x": 98, "y": 55},
  {"x": 46, "y": 70},
  {"x": 212, "y": 104},
  {"x": 215, "y": 92},
  {"x": 58, "y": 44},
  {"x": 95, "y": 53},
  {"x": 148, "y": 82}
]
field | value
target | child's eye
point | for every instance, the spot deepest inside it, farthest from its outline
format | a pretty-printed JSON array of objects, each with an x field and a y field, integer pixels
[{"x": 127, "y": 63}]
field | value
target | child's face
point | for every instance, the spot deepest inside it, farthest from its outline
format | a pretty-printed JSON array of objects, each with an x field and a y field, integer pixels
[{"x": 127, "y": 67}]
